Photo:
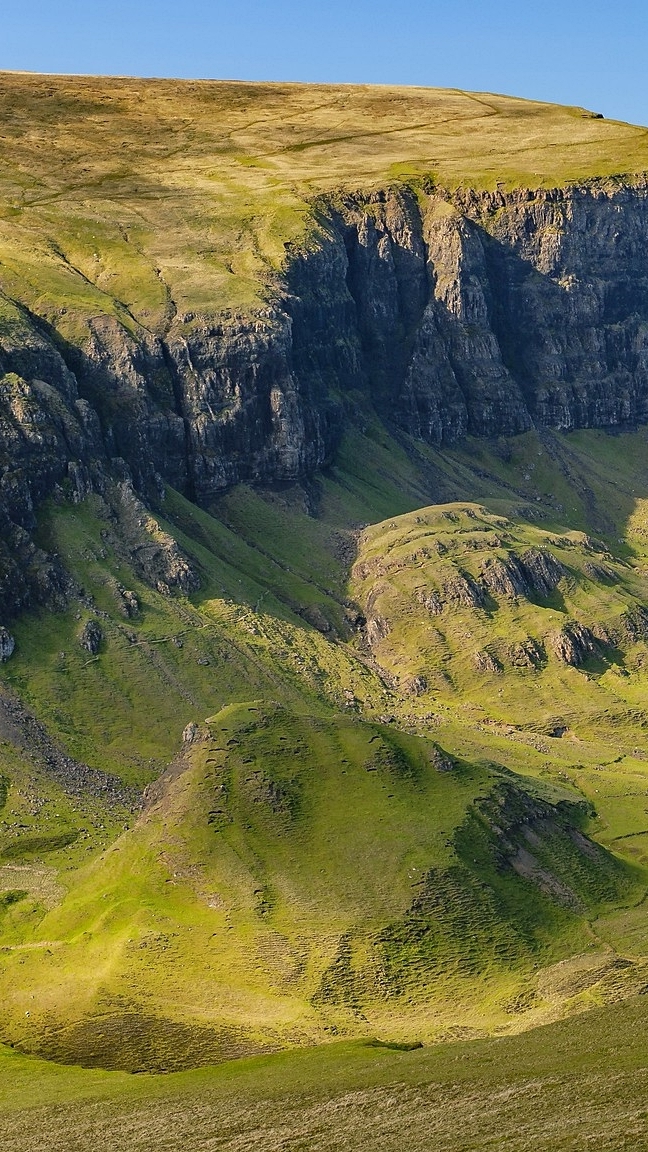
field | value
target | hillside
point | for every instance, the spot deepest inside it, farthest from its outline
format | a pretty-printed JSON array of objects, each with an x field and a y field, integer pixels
[
  {"x": 548, "y": 1087},
  {"x": 135, "y": 197},
  {"x": 343, "y": 844},
  {"x": 323, "y": 580}
]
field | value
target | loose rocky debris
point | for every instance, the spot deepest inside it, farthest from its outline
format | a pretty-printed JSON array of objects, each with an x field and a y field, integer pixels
[
  {"x": 19, "y": 728},
  {"x": 417, "y": 686}
]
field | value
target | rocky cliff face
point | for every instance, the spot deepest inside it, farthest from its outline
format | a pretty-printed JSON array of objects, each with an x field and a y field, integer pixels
[
  {"x": 484, "y": 314},
  {"x": 467, "y": 314}
]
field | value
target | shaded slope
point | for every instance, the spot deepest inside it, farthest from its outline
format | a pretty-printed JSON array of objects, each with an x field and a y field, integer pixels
[{"x": 548, "y": 1087}]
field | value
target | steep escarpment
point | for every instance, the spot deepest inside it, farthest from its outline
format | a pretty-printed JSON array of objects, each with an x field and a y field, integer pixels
[
  {"x": 452, "y": 314},
  {"x": 486, "y": 313}
]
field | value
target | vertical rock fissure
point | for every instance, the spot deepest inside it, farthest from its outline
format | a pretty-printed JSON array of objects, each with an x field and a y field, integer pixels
[
  {"x": 387, "y": 279},
  {"x": 178, "y": 395}
]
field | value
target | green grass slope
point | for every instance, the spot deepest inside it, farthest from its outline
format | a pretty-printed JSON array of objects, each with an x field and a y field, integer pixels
[
  {"x": 294, "y": 878},
  {"x": 339, "y": 850},
  {"x": 554, "y": 1089},
  {"x": 193, "y": 189},
  {"x": 551, "y": 671},
  {"x": 411, "y": 798}
]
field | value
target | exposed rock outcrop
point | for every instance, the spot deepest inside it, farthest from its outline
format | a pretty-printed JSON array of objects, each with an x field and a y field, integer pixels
[
  {"x": 542, "y": 571},
  {"x": 155, "y": 555},
  {"x": 190, "y": 733},
  {"x": 376, "y": 629},
  {"x": 432, "y": 601},
  {"x": 573, "y": 644},
  {"x": 485, "y": 662},
  {"x": 505, "y": 578},
  {"x": 129, "y": 602},
  {"x": 7, "y": 645},
  {"x": 525, "y": 654},
  {"x": 461, "y": 591},
  {"x": 478, "y": 313},
  {"x": 91, "y": 636},
  {"x": 635, "y": 623},
  {"x": 601, "y": 573}
]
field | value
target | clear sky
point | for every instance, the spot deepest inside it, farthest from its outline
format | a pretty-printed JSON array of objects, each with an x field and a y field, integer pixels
[{"x": 585, "y": 52}]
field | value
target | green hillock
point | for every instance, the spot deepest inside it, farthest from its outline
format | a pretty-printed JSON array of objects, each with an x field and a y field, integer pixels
[{"x": 294, "y": 878}]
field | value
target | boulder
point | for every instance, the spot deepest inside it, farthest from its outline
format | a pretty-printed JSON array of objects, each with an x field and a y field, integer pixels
[{"x": 7, "y": 645}]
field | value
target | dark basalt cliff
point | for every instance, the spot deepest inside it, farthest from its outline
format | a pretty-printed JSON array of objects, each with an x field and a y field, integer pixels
[{"x": 476, "y": 314}]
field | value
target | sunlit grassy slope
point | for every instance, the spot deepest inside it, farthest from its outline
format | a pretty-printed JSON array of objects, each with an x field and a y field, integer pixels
[
  {"x": 192, "y": 190},
  {"x": 337, "y": 852},
  {"x": 301, "y": 878},
  {"x": 401, "y": 812},
  {"x": 555, "y": 1089}
]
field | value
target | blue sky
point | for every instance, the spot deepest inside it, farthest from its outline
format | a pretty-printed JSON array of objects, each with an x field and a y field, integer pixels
[{"x": 573, "y": 52}]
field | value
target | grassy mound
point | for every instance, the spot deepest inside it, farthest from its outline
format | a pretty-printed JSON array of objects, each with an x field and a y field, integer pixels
[
  {"x": 546, "y": 1088},
  {"x": 295, "y": 877}
]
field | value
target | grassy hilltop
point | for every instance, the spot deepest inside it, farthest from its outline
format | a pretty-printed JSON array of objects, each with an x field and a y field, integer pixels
[
  {"x": 410, "y": 806},
  {"x": 120, "y": 196}
]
